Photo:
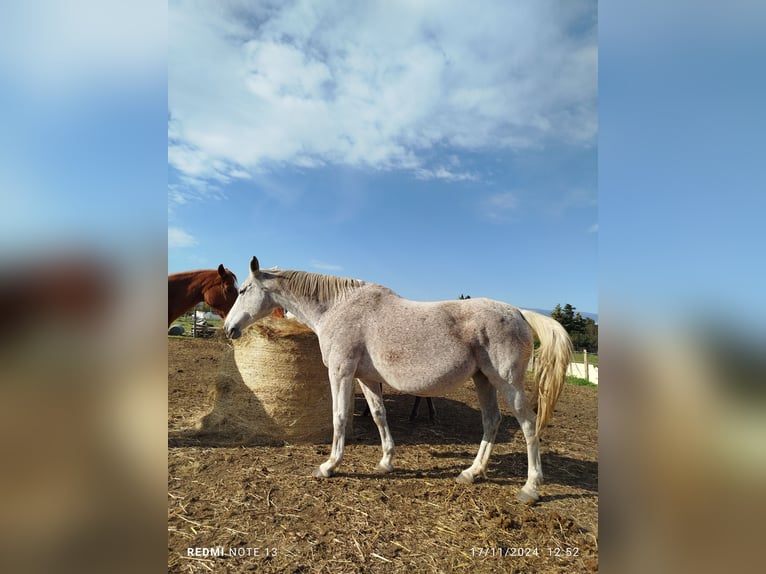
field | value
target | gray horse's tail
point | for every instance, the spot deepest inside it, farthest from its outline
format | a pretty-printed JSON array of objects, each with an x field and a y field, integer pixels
[{"x": 555, "y": 354}]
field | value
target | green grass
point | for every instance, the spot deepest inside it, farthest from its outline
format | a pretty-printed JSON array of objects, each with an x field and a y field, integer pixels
[
  {"x": 580, "y": 382},
  {"x": 592, "y": 359}
]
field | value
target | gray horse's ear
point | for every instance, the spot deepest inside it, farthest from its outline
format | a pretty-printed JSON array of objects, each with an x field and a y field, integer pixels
[
  {"x": 254, "y": 264},
  {"x": 221, "y": 270}
]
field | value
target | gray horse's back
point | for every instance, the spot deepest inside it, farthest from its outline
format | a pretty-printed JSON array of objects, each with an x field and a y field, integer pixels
[{"x": 425, "y": 347}]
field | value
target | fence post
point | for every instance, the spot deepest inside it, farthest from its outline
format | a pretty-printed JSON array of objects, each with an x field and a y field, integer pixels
[{"x": 585, "y": 360}]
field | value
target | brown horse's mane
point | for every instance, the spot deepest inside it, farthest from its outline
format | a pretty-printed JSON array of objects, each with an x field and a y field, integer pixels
[
  {"x": 325, "y": 288},
  {"x": 209, "y": 276}
]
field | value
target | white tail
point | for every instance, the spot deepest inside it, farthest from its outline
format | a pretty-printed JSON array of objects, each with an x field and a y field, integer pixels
[{"x": 555, "y": 354}]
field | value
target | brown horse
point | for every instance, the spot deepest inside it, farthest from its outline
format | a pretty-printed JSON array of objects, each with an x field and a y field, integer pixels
[
  {"x": 216, "y": 287},
  {"x": 76, "y": 290}
]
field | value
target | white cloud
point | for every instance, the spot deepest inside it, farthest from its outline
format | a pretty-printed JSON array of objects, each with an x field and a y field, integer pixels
[
  {"x": 500, "y": 207},
  {"x": 502, "y": 201},
  {"x": 379, "y": 85},
  {"x": 177, "y": 237},
  {"x": 60, "y": 48},
  {"x": 444, "y": 174}
]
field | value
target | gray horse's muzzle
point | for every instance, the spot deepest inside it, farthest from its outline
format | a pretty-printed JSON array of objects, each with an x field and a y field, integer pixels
[{"x": 233, "y": 332}]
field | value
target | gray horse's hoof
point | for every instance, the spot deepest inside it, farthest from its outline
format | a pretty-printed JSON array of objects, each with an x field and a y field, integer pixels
[
  {"x": 464, "y": 478},
  {"x": 319, "y": 474},
  {"x": 528, "y": 499},
  {"x": 380, "y": 469}
]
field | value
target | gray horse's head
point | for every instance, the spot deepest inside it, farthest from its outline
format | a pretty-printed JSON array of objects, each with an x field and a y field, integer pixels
[{"x": 254, "y": 302}]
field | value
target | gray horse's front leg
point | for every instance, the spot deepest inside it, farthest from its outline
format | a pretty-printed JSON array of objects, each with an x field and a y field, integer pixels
[
  {"x": 342, "y": 392},
  {"x": 374, "y": 395}
]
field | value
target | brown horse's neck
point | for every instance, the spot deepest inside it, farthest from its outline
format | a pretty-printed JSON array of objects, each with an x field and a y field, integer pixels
[
  {"x": 210, "y": 281},
  {"x": 196, "y": 283},
  {"x": 191, "y": 287}
]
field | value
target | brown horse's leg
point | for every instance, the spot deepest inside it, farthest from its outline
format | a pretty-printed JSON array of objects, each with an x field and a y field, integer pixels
[
  {"x": 416, "y": 408},
  {"x": 431, "y": 410}
]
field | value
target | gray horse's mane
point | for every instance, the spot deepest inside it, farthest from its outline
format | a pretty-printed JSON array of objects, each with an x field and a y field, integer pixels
[{"x": 325, "y": 288}]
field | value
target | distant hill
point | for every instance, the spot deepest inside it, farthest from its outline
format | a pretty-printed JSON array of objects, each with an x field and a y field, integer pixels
[
  {"x": 585, "y": 314},
  {"x": 593, "y": 316}
]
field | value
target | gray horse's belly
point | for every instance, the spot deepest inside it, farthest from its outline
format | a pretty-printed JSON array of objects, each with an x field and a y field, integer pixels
[{"x": 416, "y": 374}]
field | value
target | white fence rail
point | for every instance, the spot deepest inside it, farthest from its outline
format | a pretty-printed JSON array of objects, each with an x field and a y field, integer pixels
[{"x": 578, "y": 370}]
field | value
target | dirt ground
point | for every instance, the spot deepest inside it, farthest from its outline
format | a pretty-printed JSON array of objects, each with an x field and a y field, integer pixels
[{"x": 261, "y": 508}]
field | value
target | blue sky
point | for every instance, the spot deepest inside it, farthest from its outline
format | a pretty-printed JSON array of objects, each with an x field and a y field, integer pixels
[
  {"x": 83, "y": 138},
  {"x": 682, "y": 184},
  {"x": 436, "y": 148}
]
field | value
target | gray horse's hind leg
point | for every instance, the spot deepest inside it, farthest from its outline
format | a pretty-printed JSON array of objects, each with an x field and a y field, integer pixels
[
  {"x": 490, "y": 418},
  {"x": 342, "y": 391},
  {"x": 373, "y": 393},
  {"x": 514, "y": 396}
]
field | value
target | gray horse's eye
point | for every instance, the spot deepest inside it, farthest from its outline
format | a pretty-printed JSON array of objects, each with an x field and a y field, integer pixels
[{"x": 242, "y": 291}]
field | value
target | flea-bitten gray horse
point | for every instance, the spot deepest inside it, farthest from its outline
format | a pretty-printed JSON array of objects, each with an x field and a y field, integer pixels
[{"x": 368, "y": 332}]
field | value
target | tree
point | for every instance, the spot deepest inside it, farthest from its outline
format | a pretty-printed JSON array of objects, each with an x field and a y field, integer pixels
[
  {"x": 462, "y": 297},
  {"x": 582, "y": 331}
]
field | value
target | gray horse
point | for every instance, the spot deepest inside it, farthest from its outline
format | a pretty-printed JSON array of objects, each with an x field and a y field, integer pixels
[{"x": 367, "y": 332}]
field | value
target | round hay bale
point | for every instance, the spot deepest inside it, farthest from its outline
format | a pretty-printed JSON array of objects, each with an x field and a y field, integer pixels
[{"x": 273, "y": 388}]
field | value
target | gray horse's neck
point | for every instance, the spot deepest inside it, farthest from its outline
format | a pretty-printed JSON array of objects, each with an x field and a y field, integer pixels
[
  {"x": 307, "y": 312},
  {"x": 309, "y": 296}
]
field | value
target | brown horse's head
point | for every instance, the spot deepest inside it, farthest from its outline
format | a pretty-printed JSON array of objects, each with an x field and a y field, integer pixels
[
  {"x": 221, "y": 293},
  {"x": 228, "y": 282}
]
